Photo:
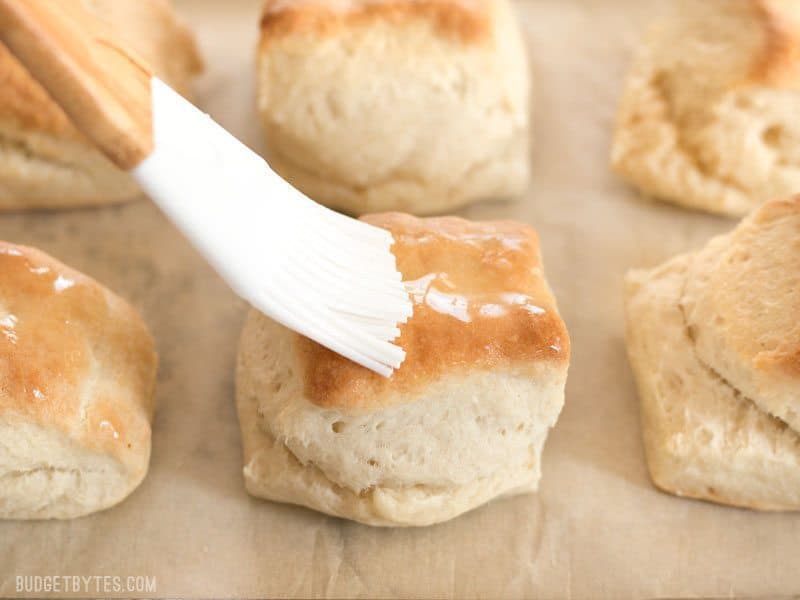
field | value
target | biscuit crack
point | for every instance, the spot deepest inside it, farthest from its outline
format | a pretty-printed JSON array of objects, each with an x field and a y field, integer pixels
[
  {"x": 713, "y": 373},
  {"x": 365, "y": 492},
  {"x": 50, "y": 470}
]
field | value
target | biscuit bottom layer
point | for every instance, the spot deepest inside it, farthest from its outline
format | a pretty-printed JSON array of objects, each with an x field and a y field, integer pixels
[
  {"x": 38, "y": 171},
  {"x": 412, "y": 192},
  {"x": 274, "y": 473},
  {"x": 45, "y": 475}
]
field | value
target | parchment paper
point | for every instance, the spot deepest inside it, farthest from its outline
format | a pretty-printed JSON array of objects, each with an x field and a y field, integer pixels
[{"x": 597, "y": 529}]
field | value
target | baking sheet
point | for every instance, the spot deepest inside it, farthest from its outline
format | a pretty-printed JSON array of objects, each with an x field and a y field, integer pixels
[{"x": 597, "y": 529}]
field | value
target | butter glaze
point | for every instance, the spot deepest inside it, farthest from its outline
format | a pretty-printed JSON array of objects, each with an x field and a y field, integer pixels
[
  {"x": 73, "y": 356},
  {"x": 39, "y": 353},
  {"x": 480, "y": 302}
]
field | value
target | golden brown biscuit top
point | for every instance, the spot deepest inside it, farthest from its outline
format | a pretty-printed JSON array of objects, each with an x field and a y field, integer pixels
[
  {"x": 480, "y": 302},
  {"x": 731, "y": 44},
  {"x": 466, "y": 20},
  {"x": 73, "y": 356},
  {"x": 779, "y": 63},
  {"x": 753, "y": 289}
]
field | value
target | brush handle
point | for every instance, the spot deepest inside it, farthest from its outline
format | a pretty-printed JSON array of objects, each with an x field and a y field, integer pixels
[{"x": 101, "y": 86}]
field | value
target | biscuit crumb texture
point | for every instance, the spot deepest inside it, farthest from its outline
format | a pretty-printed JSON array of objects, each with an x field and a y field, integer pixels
[
  {"x": 389, "y": 109},
  {"x": 44, "y": 474},
  {"x": 454, "y": 445},
  {"x": 707, "y": 118}
]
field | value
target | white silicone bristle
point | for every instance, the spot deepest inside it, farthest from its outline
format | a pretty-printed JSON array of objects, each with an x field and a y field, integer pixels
[{"x": 329, "y": 277}]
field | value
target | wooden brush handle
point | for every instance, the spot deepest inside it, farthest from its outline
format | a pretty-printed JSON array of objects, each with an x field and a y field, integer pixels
[{"x": 98, "y": 83}]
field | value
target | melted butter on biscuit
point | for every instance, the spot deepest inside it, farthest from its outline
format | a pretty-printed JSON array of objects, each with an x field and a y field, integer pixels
[
  {"x": 480, "y": 302},
  {"x": 38, "y": 351}
]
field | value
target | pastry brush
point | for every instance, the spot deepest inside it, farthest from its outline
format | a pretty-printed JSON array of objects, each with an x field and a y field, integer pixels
[{"x": 329, "y": 277}]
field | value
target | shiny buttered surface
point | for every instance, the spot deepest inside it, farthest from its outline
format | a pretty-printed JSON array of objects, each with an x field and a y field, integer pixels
[
  {"x": 480, "y": 302},
  {"x": 77, "y": 367}
]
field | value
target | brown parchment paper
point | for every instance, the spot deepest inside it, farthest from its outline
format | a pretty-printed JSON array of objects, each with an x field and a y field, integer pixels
[{"x": 597, "y": 529}]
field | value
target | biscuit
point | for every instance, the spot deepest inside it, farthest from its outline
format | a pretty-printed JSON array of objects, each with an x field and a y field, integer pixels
[
  {"x": 375, "y": 105},
  {"x": 707, "y": 119},
  {"x": 463, "y": 420},
  {"x": 77, "y": 372},
  {"x": 714, "y": 340}
]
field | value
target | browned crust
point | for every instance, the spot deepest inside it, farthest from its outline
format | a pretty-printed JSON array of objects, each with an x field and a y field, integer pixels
[
  {"x": 70, "y": 349},
  {"x": 467, "y": 22},
  {"x": 777, "y": 209},
  {"x": 482, "y": 265},
  {"x": 779, "y": 63}
]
